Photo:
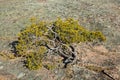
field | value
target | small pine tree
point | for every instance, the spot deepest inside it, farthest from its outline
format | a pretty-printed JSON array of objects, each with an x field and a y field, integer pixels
[{"x": 42, "y": 37}]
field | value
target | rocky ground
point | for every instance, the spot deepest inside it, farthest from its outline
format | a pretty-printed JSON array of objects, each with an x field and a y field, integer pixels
[{"x": 93, "y": 61}]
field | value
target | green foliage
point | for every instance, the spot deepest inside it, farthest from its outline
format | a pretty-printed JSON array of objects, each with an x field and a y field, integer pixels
[
  {"x": 70, "y": 31},
  {"x": 34, "y": 59},
  {"x": 33, "y": 38},
  {"x": 29, "y": 38}
]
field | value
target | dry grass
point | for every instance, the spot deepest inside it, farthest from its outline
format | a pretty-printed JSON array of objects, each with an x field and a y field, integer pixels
[{"x": 7, "y": 55}]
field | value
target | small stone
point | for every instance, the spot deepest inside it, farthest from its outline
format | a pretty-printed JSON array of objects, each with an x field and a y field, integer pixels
[
  {"x": 56, "y": 72},
  {"x": 21, "y": 75},
  {"x": 118, "y": 7},
  {"x": 109, "y": 26},
  {"x": 0, "y": 62},
  {"x": 1, "y": 67}
]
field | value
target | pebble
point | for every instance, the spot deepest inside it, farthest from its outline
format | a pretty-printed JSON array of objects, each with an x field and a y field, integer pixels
[
  {"x": 56, "y": 72},
  {"x": 109, "y": 26},
  {"x": 1, "y": 67},
  {"x": 118, "y": 7},
  {"x": 21, "y": 75}
]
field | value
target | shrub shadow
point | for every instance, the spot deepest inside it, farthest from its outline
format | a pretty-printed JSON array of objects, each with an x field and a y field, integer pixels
[{"x": 13, "y": 47}]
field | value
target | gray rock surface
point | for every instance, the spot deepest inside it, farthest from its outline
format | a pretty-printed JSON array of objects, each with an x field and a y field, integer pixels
[{"x": 103, "y": 15}]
